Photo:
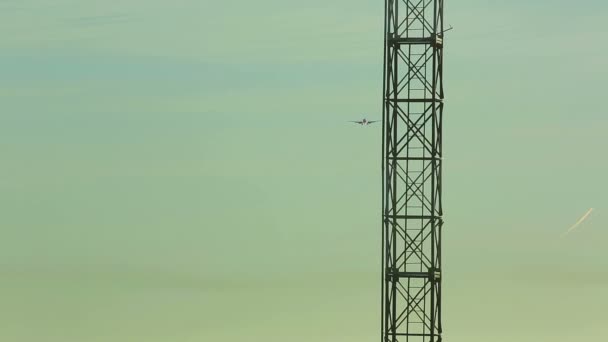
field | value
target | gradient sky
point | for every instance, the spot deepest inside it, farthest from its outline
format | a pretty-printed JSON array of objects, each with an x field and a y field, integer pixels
[{"x": 184, "y": 171}]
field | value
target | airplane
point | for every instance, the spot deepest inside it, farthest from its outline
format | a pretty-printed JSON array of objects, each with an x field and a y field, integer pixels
[{"x": 364, "y": 122}]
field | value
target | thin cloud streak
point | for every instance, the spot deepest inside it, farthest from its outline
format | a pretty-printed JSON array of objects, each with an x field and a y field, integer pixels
[
  {"x": 581, "y": 220},
  {"x": 99, "y": 20}
]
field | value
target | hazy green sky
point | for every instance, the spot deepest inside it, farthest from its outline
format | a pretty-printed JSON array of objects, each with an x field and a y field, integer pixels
[{"x": 183, "y": 170}]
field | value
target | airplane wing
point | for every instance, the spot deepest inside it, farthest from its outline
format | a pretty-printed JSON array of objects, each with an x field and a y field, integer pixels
[
  {"x": 373, "y": 121},
  {"x": 359, "y": 122}
]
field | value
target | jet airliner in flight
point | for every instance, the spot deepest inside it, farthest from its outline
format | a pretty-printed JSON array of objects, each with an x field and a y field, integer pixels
[{"x": 365, "y": 122}]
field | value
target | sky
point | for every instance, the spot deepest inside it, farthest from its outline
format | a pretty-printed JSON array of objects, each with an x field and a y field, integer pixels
[{"x": 185, "y": 171}]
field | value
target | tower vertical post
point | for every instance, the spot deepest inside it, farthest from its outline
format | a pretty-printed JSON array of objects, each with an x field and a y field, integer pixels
[{"x": 411, "y": 171}]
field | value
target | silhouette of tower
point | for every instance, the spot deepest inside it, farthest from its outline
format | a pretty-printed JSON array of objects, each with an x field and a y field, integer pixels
[{"x": 411, "y": 170}]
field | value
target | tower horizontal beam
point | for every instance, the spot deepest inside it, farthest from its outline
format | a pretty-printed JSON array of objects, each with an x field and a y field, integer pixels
[
  {"x": 433, "y": 40},
  {"x": 413, "y": 100}
]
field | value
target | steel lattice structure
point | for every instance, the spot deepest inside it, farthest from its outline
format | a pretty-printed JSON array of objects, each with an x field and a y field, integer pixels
[{"x": 411, "y": 170}]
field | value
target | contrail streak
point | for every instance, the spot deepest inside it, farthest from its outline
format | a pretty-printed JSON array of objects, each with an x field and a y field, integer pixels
[{"x": 583, "y": 218}]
